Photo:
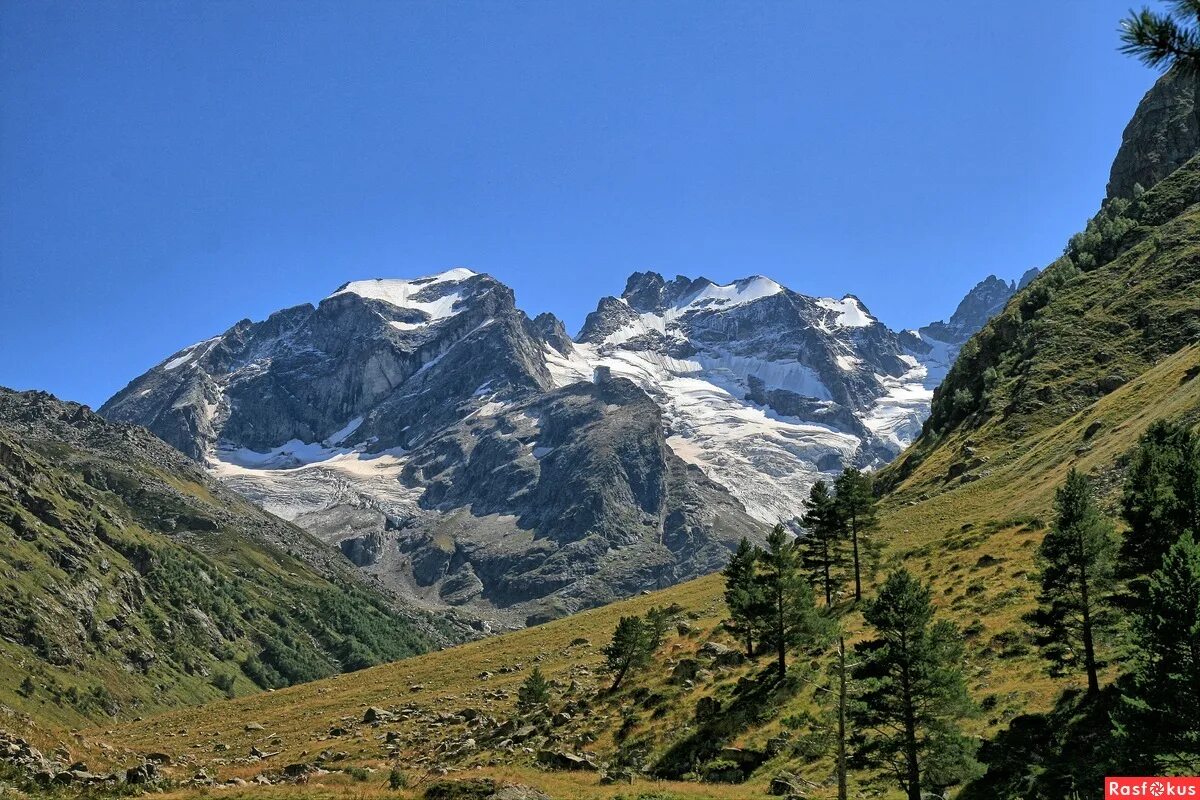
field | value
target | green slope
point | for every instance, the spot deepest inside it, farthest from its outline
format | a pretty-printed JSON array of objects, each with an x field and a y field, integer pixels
[
  {"x": 129, "y": 582},
  {"x": 1124, "y": 296}
]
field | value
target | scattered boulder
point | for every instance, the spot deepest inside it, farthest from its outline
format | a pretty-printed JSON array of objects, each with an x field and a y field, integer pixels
[
  {"x": 714, "y": 649},
  {"x": 562, "y": 760},
  {"x": 142, "y": 774},
  {"x": 785, "y": 784},
  {"x": 685, "y": 670},
  {"x": 376, "y": 714}
]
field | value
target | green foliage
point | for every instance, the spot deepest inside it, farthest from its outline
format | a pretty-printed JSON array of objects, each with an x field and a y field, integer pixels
[
  {"x": 358, "y": 773},
  {"x": 742, "y": 593},
  {"x": 1076, "y": 558},
  {"x": 855, "y": 504},
  {"x": 534, "y": 690},
  {"x": 1159, "y": 722},
  {"x": 1161, "y": 497},
  {"x": 633, "y": 643},
  {"x": 397, "y": 779},
  {"x": 912, "y": 692},
  {"x": 787, "y": 615},
  {"x": 1103, "y": 237},
  {"x": 822, "y": 548},
  {"x": 1164, "y": 39}
]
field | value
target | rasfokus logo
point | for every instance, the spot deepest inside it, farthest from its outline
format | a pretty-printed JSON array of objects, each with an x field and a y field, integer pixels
[{"x": 1151, "y": 787}]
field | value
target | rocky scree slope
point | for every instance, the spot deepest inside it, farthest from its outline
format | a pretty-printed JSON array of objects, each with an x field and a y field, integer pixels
[
  {"x": 130, "y": 580},
  {"x": 470, "y": 456}
]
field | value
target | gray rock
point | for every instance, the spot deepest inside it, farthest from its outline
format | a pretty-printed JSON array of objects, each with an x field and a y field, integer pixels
[{"x": 1163, "y": 134}]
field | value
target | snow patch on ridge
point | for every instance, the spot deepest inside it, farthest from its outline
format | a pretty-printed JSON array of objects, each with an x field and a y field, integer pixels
[
  {"x": 399, "y": 292},
  {"x": 850, "y": 313}
]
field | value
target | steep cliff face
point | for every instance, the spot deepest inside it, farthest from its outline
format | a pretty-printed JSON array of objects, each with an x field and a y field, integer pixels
[{"x": 1162, "y": 136}]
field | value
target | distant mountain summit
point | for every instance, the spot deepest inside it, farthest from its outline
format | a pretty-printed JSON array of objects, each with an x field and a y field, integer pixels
[{"x": 470, "y": 456}]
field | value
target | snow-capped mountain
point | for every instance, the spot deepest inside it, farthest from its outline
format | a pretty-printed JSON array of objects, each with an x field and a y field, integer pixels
[
  {"x": 471, "y": 456},
  {"x": 761, "y": 387},
  {"x": 417, "y": 424}
]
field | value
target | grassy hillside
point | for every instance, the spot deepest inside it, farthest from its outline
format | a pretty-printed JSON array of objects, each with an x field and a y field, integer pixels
[
  {"x": 130, "y": 583},
  {"x": 1124, "y": 296}
]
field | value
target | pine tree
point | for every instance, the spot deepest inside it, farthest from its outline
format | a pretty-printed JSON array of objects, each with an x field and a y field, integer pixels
[
  {"x": 534, "y": 690},
  {"x": 1076, "y": 558},
  {"x": 821, "y": 546},
  {"x": 1160, "y": 716},
  {"x": 855, "y": 502},
  {"x": 913, "y": 692},
  {"x": 788, "y": 615},
  {"x": 630, "y": 648},
  {"x": 1165, "y": 40},
  {"x": 742, "y": 592},
  {"x": 1161, "y": 497}
]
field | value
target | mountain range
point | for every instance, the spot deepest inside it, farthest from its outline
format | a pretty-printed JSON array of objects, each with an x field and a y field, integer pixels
[{"x": 470, "y": 456}]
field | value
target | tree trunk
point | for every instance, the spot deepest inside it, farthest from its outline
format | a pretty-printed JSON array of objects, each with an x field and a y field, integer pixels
[
  {"x": 912, "y": 765},
  {"x": 749, "y": 641},
  {"x": 857, "y": 578},
  {"x": 841, "y": 755},
  {"x": 1089, "y": 647},
  {"x": 781, "y": 639},
  {"x": 620, "y": 677},
  {"x": 825, "y": 560}
]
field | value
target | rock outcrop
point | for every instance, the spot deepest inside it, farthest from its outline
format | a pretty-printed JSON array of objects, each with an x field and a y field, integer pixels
[{"x": 1163, "y": 134}]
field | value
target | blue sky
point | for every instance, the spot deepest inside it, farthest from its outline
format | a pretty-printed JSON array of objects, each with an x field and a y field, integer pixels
[{"x": 170, "y": 168}]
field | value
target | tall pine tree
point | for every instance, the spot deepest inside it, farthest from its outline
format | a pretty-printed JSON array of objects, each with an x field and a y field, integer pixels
[
  {"x": 822, "y": 544},
  {"x": 1159, "y": 721},
  {"x": 742, "y": 595},
  {"x": 913, "y": 692},
  {"x": 1076, "y": 559},
  {"x": 788, "y": 614},
  {"x": 1161, "y": 499},
  {"x": 856, "y": 507}
]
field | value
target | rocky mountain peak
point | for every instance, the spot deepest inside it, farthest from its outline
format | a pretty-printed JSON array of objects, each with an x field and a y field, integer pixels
[
  {"x": 470, "y": 456},
  {"x": 979, "y": 305}
]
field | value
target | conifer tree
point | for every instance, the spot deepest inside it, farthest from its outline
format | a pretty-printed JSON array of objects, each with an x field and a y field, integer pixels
[
  {"x": 534, "y": 690},
  {"x": 1161, "y": 498},
  {"x": 788, "y": 615},
  {"x": 1165, "y": 40},
  {"x": 913, "y": 692},
  {"x": 1076, "y": 559},
  {"x": 630, "y": 648},
  {"x": 1159, "y": 721},
  {"x": 742, "y": 595},
  {"x": 855, "y": 503},
  {"x": 821, "y": 546}
]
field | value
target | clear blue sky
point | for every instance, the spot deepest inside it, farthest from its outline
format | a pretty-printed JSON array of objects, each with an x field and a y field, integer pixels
[{"x": 169, "y": 168}]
